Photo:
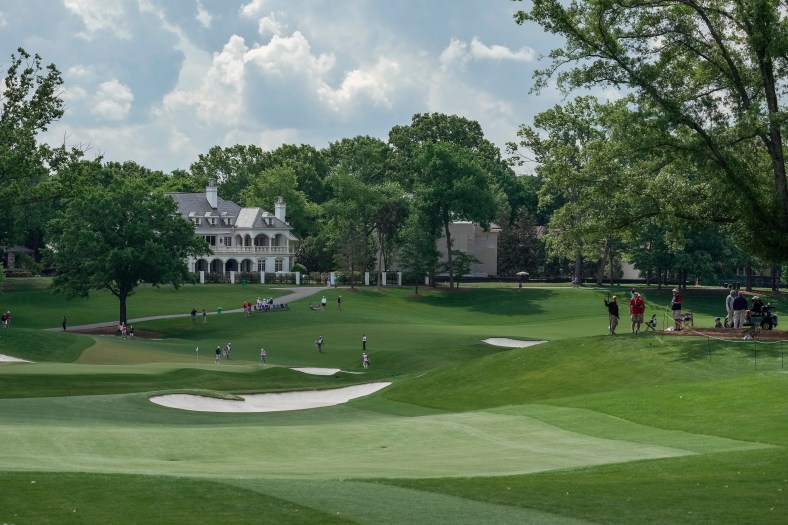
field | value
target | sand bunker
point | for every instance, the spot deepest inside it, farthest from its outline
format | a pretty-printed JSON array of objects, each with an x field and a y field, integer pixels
[
  {"x": 511, "y": 343},
  {"x": 269, "y": 402},
  {"x": 317, "y": 371},
  {"x": 9, "y": 359}
]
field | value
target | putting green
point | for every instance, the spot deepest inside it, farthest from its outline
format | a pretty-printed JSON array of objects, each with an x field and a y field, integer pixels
[{"x": 339, "y": 443}]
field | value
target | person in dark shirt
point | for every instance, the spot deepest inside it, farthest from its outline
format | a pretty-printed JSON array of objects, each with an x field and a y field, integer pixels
[
  {"x": 739, "y": 310},
  {"x": 612, "y": 310}
]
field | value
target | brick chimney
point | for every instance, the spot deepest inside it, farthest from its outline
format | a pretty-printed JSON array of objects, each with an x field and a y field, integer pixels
[
  {"x": 279, "y": 210},
  {"x": 210, "y": 193}
]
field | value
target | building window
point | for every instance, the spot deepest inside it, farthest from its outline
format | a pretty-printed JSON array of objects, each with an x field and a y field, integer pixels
[
  {"x": 210, "y": 239},
  {"x": 228, "y": 241},
  {"x": 261, "y": 265},
  {"x": 278, "y": 265}
]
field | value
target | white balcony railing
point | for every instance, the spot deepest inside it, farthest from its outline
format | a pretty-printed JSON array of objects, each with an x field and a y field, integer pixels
[{"x": 248, "y": 250}]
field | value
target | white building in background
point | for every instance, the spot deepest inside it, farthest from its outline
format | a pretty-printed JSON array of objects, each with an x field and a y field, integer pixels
[
  {"x": 242, "y": 239},
  {"x": 470, "y": 238}
]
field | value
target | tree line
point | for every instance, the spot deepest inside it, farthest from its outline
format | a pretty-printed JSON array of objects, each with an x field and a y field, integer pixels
[{"x": 683, "y": 175}]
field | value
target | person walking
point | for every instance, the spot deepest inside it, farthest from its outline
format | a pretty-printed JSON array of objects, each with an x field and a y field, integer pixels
[
  {"x": 65, "y": 322},
  {"x": 218, "y": 354},
  {"x": 339, "y": 302},
  {"x": 194, "y": 316},
  {"x": 364, "y": 343},
  {"x": 675, "y": 307},
  {"x": 612, "y": 310},
  {"x": 319, "y": 344},
  {"x": 739, "y": 310},
  {"x": 263, "y": 356},
  {"x": 729, "y": 306},
  {"x": 323, "y": 302},
  {"x": 227, "y": 350},
  {"x": 204, "y": 316},
  {"x": 365, "y": 360},
  {"x": 637, "y": 307}
]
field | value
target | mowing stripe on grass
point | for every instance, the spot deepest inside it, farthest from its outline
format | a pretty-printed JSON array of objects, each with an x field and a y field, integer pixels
[
  {"x": 372, "y": 503},
  {"x": 324, "y": 445}
]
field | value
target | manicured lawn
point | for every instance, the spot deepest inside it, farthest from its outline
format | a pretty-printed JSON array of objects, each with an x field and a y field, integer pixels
[{"x": 585, "y": 428}]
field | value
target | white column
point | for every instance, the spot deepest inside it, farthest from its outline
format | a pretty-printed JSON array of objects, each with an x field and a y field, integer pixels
[
  {"x": 202, "y": 276},
  {"x": 232, "y": 276},
  {"x": 384, "y": 278},
  {"x": 427, "y": 281},
  {"x": 366, "y": 278},
  {"x": 262, "y": 277},
  {"x": 399, "y": 278},
  {"x": 333, "y": 277},
  {"x": 298, "y": 278}
]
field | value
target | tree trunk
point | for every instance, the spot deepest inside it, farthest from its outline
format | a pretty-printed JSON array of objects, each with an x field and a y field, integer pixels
[
  {"x": 579, "y": 267},
  {"x": 748, "y": 271},
  {"x": 380, "y": 267},
  {"x": 122, "y": 295},
  {"x": 448, "y": 254},
  {"x": 775, "y": 279},
  {"x": 611, "y": 257}
]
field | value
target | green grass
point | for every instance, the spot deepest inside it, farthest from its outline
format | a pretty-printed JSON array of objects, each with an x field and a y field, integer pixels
[{"x": 583, "y": 429}]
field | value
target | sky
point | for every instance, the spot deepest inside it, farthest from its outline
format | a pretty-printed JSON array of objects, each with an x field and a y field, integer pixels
[{"x": 160, "y": 82}]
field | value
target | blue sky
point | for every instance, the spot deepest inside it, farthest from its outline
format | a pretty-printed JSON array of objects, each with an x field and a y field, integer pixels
[{"x": 159, "y": 82}]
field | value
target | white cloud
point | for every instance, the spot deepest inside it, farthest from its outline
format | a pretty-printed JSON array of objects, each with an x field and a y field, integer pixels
[
  {"x": 270, "y": 25},
  {"x": 203, "y": 16},
  {"x": 253, "y": 8},
  {"x": 459, "y": 53},
  {"x": 456, "y": 53},
  {"x": 481, "y": 51},
  {"x": 100, "y": 16},
  {"x": 290, "y": 54},
  {"x": 3, "y": 20},
  {"x": 376, "y": 83},
  {"x": 112, "y": 100}
]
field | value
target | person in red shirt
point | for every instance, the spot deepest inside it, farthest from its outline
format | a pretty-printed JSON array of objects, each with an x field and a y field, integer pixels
[{"x": 637, "y": 307}]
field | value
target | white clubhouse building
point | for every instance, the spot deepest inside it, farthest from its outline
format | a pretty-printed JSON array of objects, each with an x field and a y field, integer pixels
[{"x": 242, "y": 239}]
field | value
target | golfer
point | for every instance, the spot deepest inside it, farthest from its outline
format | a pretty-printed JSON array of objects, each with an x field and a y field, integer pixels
[
  {"x": 319, "y": 344},
  {"x": 263, "y": 355}
]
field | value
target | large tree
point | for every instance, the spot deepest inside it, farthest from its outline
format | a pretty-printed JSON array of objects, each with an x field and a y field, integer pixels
[
  {"x": 712, "y": 73},
  {"x": 452, "y": 185},
  {"x": 119, "y": 236},
  {"x": 280, "y": 181},
  {"x": 30, "y": 101}
]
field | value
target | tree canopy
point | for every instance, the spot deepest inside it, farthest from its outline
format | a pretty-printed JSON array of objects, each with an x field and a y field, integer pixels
[
  {"x": 713, "y": 76},
  {"x": 119, "y": 236}
]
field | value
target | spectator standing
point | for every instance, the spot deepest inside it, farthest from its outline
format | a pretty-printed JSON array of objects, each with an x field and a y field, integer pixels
[
  {"x": 204, "y": 316},
  {"x": 675, "y": 307},
  {"x": 739, "y": 310},
  {"x": 364, "y": 343},
  {"x": 323, "y": 302},
  {"x": 729, "y": 305},
  {"x": 65, "y": 322},
  {"x": 637, "y": 307},
  {"x": 612, "y": 310},
  {"x": 339, "y": 302},
  {"x": 194, "y": 316}
]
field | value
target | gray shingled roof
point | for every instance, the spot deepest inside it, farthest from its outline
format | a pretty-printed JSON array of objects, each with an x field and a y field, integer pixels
[{"x": 197, "y": 204}]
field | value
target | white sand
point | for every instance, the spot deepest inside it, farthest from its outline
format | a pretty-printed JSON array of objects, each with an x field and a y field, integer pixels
[
  {"x": 317, "y": 371},
  {"x": 511, "y": 343},
  {"x": 269, "y": 402},
  {"x": 9, "y": 359}
]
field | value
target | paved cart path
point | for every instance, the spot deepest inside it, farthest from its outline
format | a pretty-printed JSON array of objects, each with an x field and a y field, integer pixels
[{"x": 296, "y": 294}]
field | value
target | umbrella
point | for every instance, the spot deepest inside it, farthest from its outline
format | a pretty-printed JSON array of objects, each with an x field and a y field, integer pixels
[{"x": 522, "y": 274}]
